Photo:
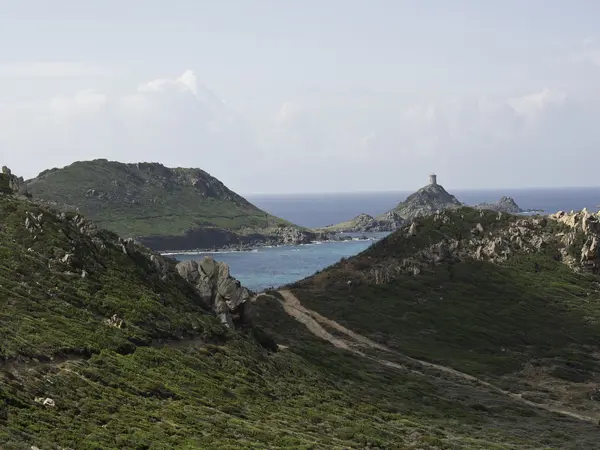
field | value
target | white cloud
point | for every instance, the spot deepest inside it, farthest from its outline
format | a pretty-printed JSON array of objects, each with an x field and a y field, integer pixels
[
  {"x": 313, "y": 142},
  {"x": 185, "y": 83},
  {"x": 531, "y": 105},
  {"x": 178, "y": 122}
]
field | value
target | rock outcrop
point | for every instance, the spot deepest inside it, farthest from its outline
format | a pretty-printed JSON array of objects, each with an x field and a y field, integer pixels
[
  {"x": 427, "y": 200},
  {"x": 364, "y": 223},
  {"x": 11, "y": 184},
  {"x": 230, "y": 301},
  {"x": 573, "y": 238},
  {"x": 582, "y": 228},
  {"x": 505, "y": 204}
]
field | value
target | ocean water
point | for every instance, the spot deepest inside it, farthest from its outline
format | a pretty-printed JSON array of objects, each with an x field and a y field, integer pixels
[
  {"x": 276, "y": 266},
  {"x": 265, "y": 267},
  {"x": 318, "y": 210}
]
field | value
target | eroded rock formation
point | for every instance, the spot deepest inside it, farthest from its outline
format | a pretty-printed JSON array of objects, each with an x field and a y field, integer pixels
[{"x": 230, "y": 301}]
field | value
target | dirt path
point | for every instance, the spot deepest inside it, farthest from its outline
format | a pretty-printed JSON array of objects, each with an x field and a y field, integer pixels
[{"x": 315, "y": 321}]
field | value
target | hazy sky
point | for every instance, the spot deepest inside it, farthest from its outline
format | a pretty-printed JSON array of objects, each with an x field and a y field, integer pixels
[{"x": 307, "y": 96}]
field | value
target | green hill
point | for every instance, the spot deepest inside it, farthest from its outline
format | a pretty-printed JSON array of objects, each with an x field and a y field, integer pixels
[
  {"x": 512, "y": 301},
  {"x": 105, "y": 345},
  {"x": 165, "y": 208}
]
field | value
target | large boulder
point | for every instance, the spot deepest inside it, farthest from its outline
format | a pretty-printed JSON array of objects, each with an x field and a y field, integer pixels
[{"x": 230, "y": 301}]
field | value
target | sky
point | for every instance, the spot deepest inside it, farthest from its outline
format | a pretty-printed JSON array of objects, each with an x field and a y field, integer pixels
[{"x": 304, "y": 97}]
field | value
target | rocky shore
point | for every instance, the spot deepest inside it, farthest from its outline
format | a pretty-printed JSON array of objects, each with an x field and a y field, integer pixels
[{"x": 248, "y": 247}]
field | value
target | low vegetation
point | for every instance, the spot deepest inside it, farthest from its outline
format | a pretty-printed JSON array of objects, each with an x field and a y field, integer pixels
[{"x": 101, "y": 350}]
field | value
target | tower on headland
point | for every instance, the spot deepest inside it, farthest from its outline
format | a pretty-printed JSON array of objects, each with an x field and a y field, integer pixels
[{"x": 433, "y": 179}]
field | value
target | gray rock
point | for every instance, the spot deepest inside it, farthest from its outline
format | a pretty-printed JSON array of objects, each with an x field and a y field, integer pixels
[
  {"x": 11, "y": 184},
  {"x": 115, "y": 321},
  {"x": 427, "y": 200},
  {"x": 412, "y": 231},
  {"x": 219, "y": 290},
  {"x": 505, "y": 204}
]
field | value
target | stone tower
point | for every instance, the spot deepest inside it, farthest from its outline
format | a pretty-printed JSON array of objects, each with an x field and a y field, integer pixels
[{"x": 433, "y": 179}]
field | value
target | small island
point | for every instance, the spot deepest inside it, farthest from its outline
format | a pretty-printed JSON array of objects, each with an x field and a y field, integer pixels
[
  {"x": 507, "y": 205},
  {"x": 427, "y": 200}
]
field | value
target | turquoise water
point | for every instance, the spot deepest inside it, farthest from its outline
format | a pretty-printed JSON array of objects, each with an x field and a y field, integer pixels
[{"x": 276, "y": 266}]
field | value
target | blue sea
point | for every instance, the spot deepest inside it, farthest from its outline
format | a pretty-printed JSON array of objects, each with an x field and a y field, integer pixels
[{"x": 276, "y": 266}]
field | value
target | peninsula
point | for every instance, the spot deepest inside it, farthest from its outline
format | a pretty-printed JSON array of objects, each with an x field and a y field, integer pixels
[{"x": 164, "y": 208}]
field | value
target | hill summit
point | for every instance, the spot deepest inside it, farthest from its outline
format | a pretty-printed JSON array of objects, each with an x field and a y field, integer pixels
[{"x": 427, "y": 200}]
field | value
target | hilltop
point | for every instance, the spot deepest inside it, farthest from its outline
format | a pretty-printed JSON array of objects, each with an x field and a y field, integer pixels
[
  {"x": 427, "y": 200},
  {"x": 164, "y": 208}
]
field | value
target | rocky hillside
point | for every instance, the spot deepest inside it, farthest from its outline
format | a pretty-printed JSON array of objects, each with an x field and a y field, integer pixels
[
  {"x": 106, "y": 345},
  {"x": 365, "y": 223},
  {"x": 427, "y": 200},
  {"x": 11, "y": 184},
  {"x": 505, "y": 204},
  {"x": 164, "y": 208},
  {"x": 511, "y": 301},
  {"x": 468, "y": 235}
]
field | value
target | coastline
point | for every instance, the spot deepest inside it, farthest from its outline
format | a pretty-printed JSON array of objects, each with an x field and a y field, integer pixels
[{"x": 255, "y": 247}]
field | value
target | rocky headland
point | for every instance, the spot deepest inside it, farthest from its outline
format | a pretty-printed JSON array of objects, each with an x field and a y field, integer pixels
[
  {"x": 507, "y": 205},
  {"x": 164, "y": 208},
  {"x": 427, "y": 200}
]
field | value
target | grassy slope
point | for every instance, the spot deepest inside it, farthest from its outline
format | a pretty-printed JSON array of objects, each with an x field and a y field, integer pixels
[
  {"x": 533, "y": 332},
  {"x": 168, "y": 209},
  {"x": 218, "y": 389}
]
